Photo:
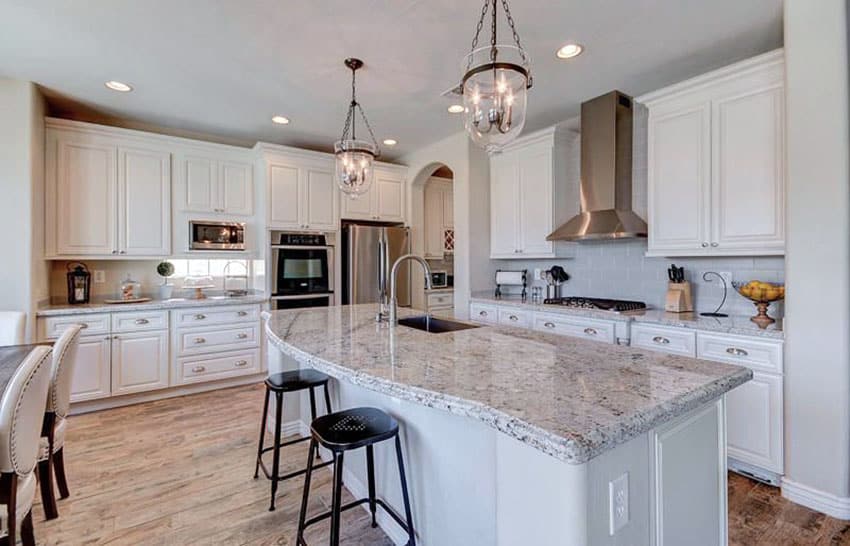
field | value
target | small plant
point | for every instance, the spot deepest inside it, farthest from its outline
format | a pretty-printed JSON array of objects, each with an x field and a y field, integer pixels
[{"x": 165, "y": 270}]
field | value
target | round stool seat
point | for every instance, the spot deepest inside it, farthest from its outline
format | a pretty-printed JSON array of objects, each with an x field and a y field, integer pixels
[
  {"x": 353, "y": 428},
  {"x": 296, "y": 380}
]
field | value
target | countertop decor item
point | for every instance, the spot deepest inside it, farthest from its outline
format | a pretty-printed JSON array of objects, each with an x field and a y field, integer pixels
[
  {"x": 131, "y": 290},
  {"x": 679, "y": 298},
  {"x": 199, "y": 283},
  {"x": 511, "y": 278},
  {"x": 79, "y": 283},
  {"x": 707, "y": 278},
  {"x": 354, "y": 158},
  {"x": 235, "y": 284},
  {"x": 762, "y": 294},
  {"x": 495, "y": 84},
  {"x": 165, "y": 270}
]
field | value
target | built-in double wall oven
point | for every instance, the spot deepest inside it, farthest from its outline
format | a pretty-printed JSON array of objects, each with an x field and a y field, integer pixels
[{"x": 301, "y": 270}]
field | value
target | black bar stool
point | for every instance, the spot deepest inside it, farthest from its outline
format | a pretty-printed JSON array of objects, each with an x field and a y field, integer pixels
[
  {"x": 343, "y": 431},
  {"x": 280, "y": 383}
]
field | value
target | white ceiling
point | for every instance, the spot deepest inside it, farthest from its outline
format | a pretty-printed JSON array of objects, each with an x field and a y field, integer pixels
[{"x": 224, "y": 67}]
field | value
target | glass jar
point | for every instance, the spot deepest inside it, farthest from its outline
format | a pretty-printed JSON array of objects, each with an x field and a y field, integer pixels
[{"x": 130, "y": 289}]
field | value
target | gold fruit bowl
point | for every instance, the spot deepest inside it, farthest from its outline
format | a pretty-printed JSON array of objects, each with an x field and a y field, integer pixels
[{"x": 761, "y": 294}]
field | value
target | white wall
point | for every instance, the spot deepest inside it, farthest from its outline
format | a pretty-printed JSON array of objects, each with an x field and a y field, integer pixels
[
  {"x": 817, "y": 351},
  {"x": 23, "y": 277}
]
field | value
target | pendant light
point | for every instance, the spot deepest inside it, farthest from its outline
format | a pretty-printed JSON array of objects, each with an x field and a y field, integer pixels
[
  {"x": 355, "y": 158},
  {"x": 495, "y": 85}
]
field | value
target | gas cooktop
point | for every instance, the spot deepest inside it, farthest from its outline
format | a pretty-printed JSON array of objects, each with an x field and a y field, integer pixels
[{"x": 616, "y": 306}]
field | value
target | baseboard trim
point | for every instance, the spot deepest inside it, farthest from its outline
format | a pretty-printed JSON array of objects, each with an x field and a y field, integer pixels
[{"x": 829, "y": 504}]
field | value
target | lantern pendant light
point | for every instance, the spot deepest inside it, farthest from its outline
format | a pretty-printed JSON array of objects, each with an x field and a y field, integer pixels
[
  {"x": 495, "y": 85},
  {"x": 355, "y": 158}
]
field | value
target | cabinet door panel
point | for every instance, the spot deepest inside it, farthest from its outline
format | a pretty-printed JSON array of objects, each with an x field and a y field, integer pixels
[
  {"x": 360, "y": 208},
  {"x": 284, "y": 196},
  {"x": 321, "y": 208},
  {"x": 85, "y": 198},
  {"x": 433, "y": 221},
  {"x": 504, "y": 209},
  {"x": 139, "y": 362},
  {"x": 535, "y": 179},
  {"x": 200, "y": 184},
  {"x": 448, "y": 207},
  {"x": 679, "y": 176},
  {"x": 748, "y": 175},
  {"x": 91, "y": 378},
  {"x": 237, "y": 188},
  {"x": 144, "y": 197},
  {"x": 390, "y": 192},
  {"x": 754, "y": 422}
]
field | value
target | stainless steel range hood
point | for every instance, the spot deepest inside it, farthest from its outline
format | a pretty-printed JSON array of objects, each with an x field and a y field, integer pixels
[{"x": 606, "y": 174}]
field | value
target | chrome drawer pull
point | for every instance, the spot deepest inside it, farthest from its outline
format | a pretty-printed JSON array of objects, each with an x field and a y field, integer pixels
[
  {"x": 734, "y": 351},
  {"x": 514, "y": 318},
  {"x": 199, "y": 369},
  {"x": 83, "y": 326},
  {"x": 482, "y": 313},
  {"x": 549, "y": 324},
  {"x": 242, "y": 313},
  {"x": 242, "y": 336},
  {"x": 241, "y": 363},
  {"x": 200, "y": 340},
  {"x": 590, "y": 331},
  {"x": 142, "y": 321},
  {"x": 200, "y": 317},
  {"x": 661, "y": 340}
]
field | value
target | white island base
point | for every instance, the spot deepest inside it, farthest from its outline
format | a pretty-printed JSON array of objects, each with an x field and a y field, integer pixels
[{"x": 473, "y": 485}]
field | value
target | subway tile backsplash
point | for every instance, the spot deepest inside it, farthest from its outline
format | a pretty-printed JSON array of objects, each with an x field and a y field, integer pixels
[{"x": 619, "y": 269}]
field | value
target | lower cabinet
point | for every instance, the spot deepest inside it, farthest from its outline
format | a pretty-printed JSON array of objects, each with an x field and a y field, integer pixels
[
  {"x": 488, "y": 314},
  {"x": 543, "y": 321},
  {"x": 92, "y": 373},
  {"x": 754, "y": 432},
  {"x": 139, "y": 362}
]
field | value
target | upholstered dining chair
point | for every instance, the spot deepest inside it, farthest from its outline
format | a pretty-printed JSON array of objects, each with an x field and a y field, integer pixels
[
  {"x": 51, "y": 457},
  {"x": 12, "y": 327},
  {"x": 21, "y": 415}
]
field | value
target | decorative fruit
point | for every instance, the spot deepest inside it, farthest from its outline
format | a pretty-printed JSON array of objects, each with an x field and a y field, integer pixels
[{"x": 760, "y": 291}]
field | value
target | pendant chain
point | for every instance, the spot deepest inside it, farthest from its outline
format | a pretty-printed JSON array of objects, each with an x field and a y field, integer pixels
[
  {"x": 480, "y": 27},
  {"x": 350, "y": 118}
]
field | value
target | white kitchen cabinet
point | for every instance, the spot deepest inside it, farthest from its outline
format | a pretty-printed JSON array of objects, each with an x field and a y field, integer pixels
[
  {"x": 510, "y": 316},
  {"x": 439, "y": 208},
  {"x": 530, "y": 196},
  {"x": 139, "y": 362},
  {"x": 754, "y": 430},
  {"x": 144, "y": 202},
  {"x": 301, "y": 193},
  {"x": 677, "y": 341},
  {"x": 582, "y": 327},
  {"x": 385, "y": 200},
  {"x": 480, "y": 312},
  {"x": 214, "y": 185},
  {"x": 716, "y": 151},
  {"x": 92, "y": 371}
]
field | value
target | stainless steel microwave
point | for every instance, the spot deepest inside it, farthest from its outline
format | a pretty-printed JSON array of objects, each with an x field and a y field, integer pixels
[{"x": 211, "y": 235}]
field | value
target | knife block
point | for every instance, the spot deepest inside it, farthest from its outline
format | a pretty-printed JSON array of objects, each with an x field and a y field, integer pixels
[{"x": 679, "y": 299}]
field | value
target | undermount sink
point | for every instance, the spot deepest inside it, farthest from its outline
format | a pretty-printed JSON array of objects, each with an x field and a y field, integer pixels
[{"x": 434, "y": 325}]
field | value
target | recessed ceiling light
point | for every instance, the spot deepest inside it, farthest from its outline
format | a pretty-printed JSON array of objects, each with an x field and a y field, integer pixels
[
  {"x": 390, "y": 141},
  {"x": 281, "y": 120},
  {"x": 569, "y": 51},
  {"x": 455, "y": 108},
  {"x": 118, "y": 86}
]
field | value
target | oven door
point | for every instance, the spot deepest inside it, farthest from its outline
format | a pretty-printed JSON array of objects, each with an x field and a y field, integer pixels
[
  {"x": 299, "y": 302},
  {"x": 302, "y": 270}
]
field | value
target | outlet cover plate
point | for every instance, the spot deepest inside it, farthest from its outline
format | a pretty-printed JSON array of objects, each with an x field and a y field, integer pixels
[{"x": 618, "y": 503}]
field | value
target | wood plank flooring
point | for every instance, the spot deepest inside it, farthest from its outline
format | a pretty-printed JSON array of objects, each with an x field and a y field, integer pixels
[{"x": 179, "y": 471}]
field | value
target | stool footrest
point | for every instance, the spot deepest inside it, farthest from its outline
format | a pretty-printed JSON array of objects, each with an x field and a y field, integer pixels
[
  {"x": 293, "y": 474},
  {"x": 343, "y": 508},
  {"x": 285, "y": 444}
]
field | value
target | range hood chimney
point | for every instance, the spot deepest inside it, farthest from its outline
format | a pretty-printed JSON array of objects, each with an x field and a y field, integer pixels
[{"x": 606, "y": 174}]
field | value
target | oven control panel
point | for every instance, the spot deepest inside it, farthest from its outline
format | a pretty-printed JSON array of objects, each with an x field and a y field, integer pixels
[{"x": 303, "y": 239}]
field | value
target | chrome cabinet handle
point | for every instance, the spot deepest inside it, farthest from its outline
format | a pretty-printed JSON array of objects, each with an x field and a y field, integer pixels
[
  {"x": 83, "y": 325},
  {"x": 734, "y": 351},
  {"x": 115, "y": 252},
  {"x": 714, "y": 244},
  {"x": 122, "y": 252},
  {"x": 242, "y": 336},
  {"x": 200, "y": 317},
  {"x": 661, "y": 340},
  {"x": 242, "y": 313},
  {"x": 482, "y": 313},
  {"x": 199, "y": 369},
  {"x": 514, "y": 318},
  {"x": 142, "y": 321},
  {"x": 705, "y": 245},
  {"x": 240, "y": 363},
  {"x": 114, "y": 337},
  {"x": 590, "y": 331},
  {"x": 199, "y": 340},
  {"x": 549, "y": 324}
]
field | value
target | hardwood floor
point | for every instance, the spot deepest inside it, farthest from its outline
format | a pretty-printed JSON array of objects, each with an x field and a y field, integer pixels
[{"x": 179, "y": 471}]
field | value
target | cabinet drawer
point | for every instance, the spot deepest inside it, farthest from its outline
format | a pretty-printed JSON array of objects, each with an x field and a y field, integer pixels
[
  {"x": 514, "y": 317},
  {"x": 483, "y": 313},
  {"x": 204, "y": 316},
  {"x": 200, "y": 369},
  {"x": 598, "y": 330},
  {"x": 139, "y": 321},
  {"x": 201, "y": 340},
  {"x": 440, "y": 300},
  {"x": 755, "y": 354},
  {"x": 93, "y": 324},
  {"x": 668, "y": 340}
]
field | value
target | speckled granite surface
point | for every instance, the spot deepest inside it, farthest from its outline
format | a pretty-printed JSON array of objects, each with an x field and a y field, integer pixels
[
  {"x": 738, "y": 325},
  {"x": 570, "y": 398},
  {"x": 153, "y": 305}
]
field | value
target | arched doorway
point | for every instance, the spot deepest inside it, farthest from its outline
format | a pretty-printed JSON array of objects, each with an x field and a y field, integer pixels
[{"x": 432, "y": 223}]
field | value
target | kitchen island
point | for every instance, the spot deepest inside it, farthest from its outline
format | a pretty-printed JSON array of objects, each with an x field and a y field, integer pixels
[{"x": 521, "y": 437}]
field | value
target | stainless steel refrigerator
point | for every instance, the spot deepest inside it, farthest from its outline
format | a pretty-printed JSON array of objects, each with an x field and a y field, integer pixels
[{"x": 368, "y": 253}]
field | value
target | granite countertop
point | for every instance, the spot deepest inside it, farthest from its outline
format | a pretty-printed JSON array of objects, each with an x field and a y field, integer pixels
[
  {"x": 53, "y": 310},
  {"x": 571, "y": 398},
  {"x": 736, "y": 324}
]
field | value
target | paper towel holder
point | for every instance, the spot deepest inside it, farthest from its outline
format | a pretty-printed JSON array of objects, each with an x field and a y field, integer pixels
[{"x": 511, "y": 278}]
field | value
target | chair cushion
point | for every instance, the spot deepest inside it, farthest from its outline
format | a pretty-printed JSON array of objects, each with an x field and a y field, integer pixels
[
  {"x": 296, "y": 380},
  {"x": 23, "y": 501},
  {"x": 58, "y": 439},
  {"x": 353, "y": 428}
]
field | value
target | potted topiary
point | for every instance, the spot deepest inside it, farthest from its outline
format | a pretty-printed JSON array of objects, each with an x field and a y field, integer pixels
[{"x": 165, "y": 270}]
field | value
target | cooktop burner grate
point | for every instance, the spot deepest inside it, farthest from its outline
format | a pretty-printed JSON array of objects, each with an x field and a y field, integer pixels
[{"x": 603, "y": 304}]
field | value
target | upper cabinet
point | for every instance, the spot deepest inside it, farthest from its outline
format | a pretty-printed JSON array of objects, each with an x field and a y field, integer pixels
[
  {"x": 385, "y": 200},
  {"x": 105, "y": 196},
  {"x": 300, "y": 190},
  {"x": 205, "y": 182},
  {"x": 439, "y": 212},
  {"x": 716, "y": 170},
  {"x": 533, "y": 189}
]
